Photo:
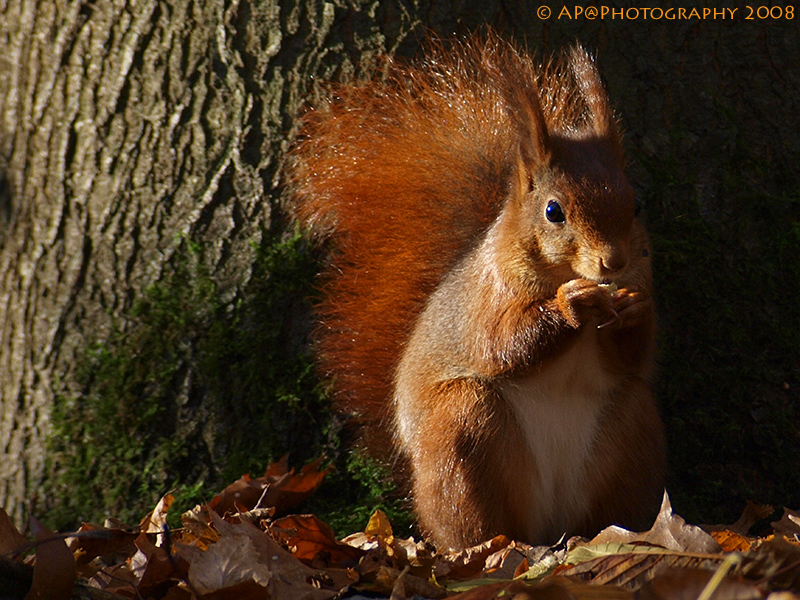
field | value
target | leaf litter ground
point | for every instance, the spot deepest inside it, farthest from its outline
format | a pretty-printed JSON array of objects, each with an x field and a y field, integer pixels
[{"x": 234, "y": 547}]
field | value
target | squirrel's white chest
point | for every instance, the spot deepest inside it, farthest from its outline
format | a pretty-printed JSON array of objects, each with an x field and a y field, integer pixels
[{"x": 558, "y": 408}]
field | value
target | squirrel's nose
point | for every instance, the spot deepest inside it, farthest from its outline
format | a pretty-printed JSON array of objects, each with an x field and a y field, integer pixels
[{"x": 612, "y": 262}]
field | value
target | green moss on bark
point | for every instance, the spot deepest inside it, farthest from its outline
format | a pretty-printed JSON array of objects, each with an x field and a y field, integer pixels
[{"x": 189, "y": 394}]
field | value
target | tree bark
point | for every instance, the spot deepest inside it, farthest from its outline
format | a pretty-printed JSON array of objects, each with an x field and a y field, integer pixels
[{"x": 124, "y": 126}]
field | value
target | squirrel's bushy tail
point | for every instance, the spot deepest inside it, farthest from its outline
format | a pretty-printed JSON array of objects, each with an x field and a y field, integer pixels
[{"x": 403, "y": 174}]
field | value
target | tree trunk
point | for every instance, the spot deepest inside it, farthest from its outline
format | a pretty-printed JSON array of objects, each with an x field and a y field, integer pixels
[{"x": 126, "y": 125}]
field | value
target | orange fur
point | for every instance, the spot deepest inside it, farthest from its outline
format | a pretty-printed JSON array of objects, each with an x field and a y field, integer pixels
[{"x": 456, "y": 312}]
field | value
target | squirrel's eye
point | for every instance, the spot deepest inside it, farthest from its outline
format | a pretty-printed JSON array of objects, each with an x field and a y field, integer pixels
[{"x": 554, "y": 212}]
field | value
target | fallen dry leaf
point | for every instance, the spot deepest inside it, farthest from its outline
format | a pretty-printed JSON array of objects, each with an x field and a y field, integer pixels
[
  {"x": 554, "y": 588},
  {"x": 300, "y": 486},
  {"x": 280, "y": 488},
  {"x": 543, "y": 561},
  {"x": 93, "y": 541},
  {"x": 54, "y": 569},
  {"x": 506, "y": 562},
  {"x": 394, "y": 566},
  {"x": 378, "y": 577},
  {"x": 408, "y": 585},
  {"x": 278, "y": 468},
  {"x": 241, "y": 495},
  {"x": 669, "y": 531},
  {"x": 197, "y": 530},
  {"x": 230, "y": 562},
  {"x": 244, "y": 554},
  {"x": 153, "y": 565},
  {"x": 789, "y": 524},
  {"x": 689, "y": 584},
  {"x": 379, "y": 527},
  {"x": 377, "y": 534},
  {"x": 628, "y": 565},
  {"x": 470, "y": 562},
  {"x": 751, "y": 514},
  {"x": 156, "y": 521},
  {"x": 118, "y": 579},
  {"x": 774, "y": 562},
  {"x": 730, "y": 541},
  {"x": 16, "y": 576},
  {"x": 385, "y": 550},
  {"x": 313, "y": 542},
  {"x": 11, "y": 540}
]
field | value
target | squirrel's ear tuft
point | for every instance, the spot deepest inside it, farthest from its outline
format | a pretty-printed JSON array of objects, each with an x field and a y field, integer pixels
[
  {"x": 535, "y": 140},
  {"x": 587, "y": 80},
  {"x": 514, "y": 75},
  {"x": 590, "y": 85},
  {"x": 534, "y": 145}
]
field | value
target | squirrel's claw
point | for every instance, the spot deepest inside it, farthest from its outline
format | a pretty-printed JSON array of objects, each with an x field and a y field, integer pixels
[{"x": 612, "y": 321}]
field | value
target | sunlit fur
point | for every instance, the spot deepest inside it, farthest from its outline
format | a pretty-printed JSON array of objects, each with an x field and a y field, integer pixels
[{"x": 460, "y": 321}]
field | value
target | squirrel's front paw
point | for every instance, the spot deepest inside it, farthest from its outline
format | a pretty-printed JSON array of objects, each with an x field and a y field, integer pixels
[
  {"x": 631, "y": 307},
  {"x": 584, "y": 302}
]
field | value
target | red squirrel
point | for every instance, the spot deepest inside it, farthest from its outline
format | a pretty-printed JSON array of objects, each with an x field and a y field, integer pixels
[{"x": 488, "y": 296}]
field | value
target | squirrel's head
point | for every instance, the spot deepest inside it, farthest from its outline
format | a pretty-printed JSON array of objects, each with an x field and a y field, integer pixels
[
  {"x": 578, "y": 217},
  {"x": 571, "y": 206}
]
